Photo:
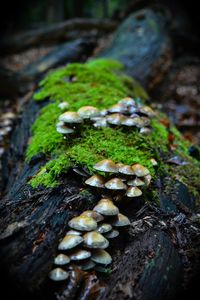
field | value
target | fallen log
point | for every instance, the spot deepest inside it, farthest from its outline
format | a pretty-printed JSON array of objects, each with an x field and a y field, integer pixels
[{"x": 53, "y": 34}]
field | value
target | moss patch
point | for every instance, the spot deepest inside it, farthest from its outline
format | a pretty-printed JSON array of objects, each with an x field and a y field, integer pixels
[{"x": 102, "y": 84}]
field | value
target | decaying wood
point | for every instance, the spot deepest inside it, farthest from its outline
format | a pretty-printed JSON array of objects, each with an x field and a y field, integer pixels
[{"x": 53, "y": 34}]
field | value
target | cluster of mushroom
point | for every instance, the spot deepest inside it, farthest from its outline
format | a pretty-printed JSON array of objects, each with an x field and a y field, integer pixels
[
  {"x": 84, "y": 244},
  {"x": 122, "y": 180},
  {"x": 127, "y": 112}
]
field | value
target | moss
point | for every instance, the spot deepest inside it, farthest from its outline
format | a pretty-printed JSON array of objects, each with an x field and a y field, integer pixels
[{"x": 100, "y": 83}]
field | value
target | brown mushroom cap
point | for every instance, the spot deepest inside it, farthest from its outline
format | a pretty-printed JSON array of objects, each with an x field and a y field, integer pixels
[
  {"x": 115, "y": 184},
  {"x": 87, "y": 112},
  {"x": 80, "y": 254},
  {"x": 58, "y": 274},
  {"x": 96, "y": 181},
  {"x": 106, "y": 165},
  {"x": 133, "y": 191},
  {"x": 83, "y": 223},
  {"x": 70, "y": 241},
  {"x": 70, "y": 117},
  {"x": 136, "y": 182},
  {"x": 61, "y": 259},
  {"x": 106, "y": 207},
  {"x": 140, "y": 170},
  {"x": 104, "y": 227},
  {"x": 120, "y": 220},
  {"x": 93, "y": 214},
  {"x": 94, "y": 239},
  {"x": 101, "y": 256},
  {"x": 126, "y": 169}
]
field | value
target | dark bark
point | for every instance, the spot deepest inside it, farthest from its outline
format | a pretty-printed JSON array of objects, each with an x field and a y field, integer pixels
[{"x": 53, "y": 34}]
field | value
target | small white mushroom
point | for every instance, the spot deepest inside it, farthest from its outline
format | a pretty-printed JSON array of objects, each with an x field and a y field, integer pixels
[
  {"x": 145, "y": 130},
  {"x": 154, "y": 162},
  {"x": 70, "y": 241},
  {"x": 61, "y": 259},
  {"x": 117, "y": 108},
  {"x": 133, "y": 191},
  {"x": 136, "y": 182},
  {"x": 128, "y": 101},
  {"x": 94, "y": 239},
  {"x": 80, "y": 254},
  {"x": 115, "y": 119},
  {"x": 58, "y": 274},
  {"x": 140, "y": 170},
  {"x": 120, "y": 220},
  {"x": 115, "y": 184},
  {"x": 147, "y": 179},
  {"x": 87, "y": 112},
  {"x": 101, "y": 256},
  {"x": 112, "y": 234},
  {"x": 63, "y": 105},
  {"x": 93, "y": 214},
  {"x": 62, "y": 128},
  {"x": 106, "y": 207},
  {"x": 106, "y": 165},
  {"x": 104, "y": 227},
  {"x": 126, "y": 169},
  {"x": 73, "y": 232},
  {"x": 83, "y": 223},
  {"x": 70, "y": 117},
  {"x": 96, "y": 181}
]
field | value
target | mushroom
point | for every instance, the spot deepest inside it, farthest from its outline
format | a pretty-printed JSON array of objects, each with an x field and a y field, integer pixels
[
  {"x": 62, "y": 128},
  {"x": 73, "y": 232},
  {"x": 128, "y": 101},
  {"x": 133, "y": 191},
  {"x": 115, "y": 119},
  {"x": 63, "y": 105},
  {"x": 106, "y": 165},
  {"x": 129, "y": 122},
  {"x": 154, "y": 162},
  {"x": 87, "y": 112},
  {"x": 80, "y": 254},
  {"x": 140, "y": 170},
  {"x": 112, "y": 234},
  {"x": 101, "y": 122},
  {"x": 115, "y": 184},
  {"x": 117, "y": 108},
  {"x": 120, "y": 220},
  {"x": 94, "y": 239},
  {"x": 104, "y": 227},
  {"x": 58, "y": 274},
  {"x": 147, "y": 179},
  {"x": 70, "y": 117},
  {"x": 70, "y": 241},
  {"x": 106, "y": 207},
  {"x": 101, "y": 256},
  {"x": 93, "y": 214},
  {"x": 61, "y": 259},
  {"x": 136, "y": 182},
  {"x": 145, "y": 130},
  {"x": 147, "y": 110},
  {"x": 83, "y": 223},
  {"x": 126, "y": 170},
  {"x": 96, "y": 181},
  {"x": 86, "y": 265}
]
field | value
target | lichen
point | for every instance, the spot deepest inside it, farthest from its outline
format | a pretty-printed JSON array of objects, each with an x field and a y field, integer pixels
[{"x": 100, "y": 83}]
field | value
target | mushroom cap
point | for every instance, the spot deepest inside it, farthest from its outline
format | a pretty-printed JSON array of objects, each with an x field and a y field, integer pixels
[
  {"x": 147, "y": 110},
  {"x": 147, "y": 179},
  {"x": 104, "y": 227},
  {"x": 154, "y": 162},
  {"x": 86, "y": 265},
  {"x": 112, "y": 234},
  {"x": 63, "y": 105},
  {"x": 70, "y": 241},
  {"x": 70, "y": 117},
  {"x": 115, "y": 119},
  {"x": 121, "y": 220},
  {"x": 117, "y": 108},
  {"x": 61, "y": 128},
  {"x": 101, "y": 256},
  {"x": 106, "y": 165},
  {"x": 136, "y": 182},
  {"x": 93, "y": 214},
  {"x": 102, "y": 122},
  {"x": 115, "y": 184},
  {"x": 140, "y": 170},
  {"x": 80, "y": 254},
  {"x": 73, "y": 232},
  {"x": 126, "y": 169},
  {"x": 94, "y": 239},
  {"x": 128, "y": 101},
  {"x": 87, "y": 112},
  {"x": 58, "y": 274},
  {"x": 106, "y": 207},
  {"x": 61, "y": 259},
  {"x": 145, "y": 130},
  {"x": 83, "y": 223},
  {"x": 96, "y": 181},
  {"x": 129, "y": 122},
  {"x": 133, "y": 191}
]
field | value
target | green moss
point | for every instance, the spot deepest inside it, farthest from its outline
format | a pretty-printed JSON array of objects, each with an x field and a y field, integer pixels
[{"x": 102, "y": 84}]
